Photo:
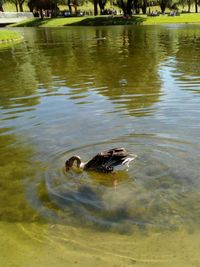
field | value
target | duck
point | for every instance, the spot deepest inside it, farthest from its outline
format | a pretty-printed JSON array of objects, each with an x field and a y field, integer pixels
[{"x": 105, "y": 162}]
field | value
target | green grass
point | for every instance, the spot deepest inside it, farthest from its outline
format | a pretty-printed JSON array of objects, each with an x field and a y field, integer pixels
[
  {"x": 46, "y": 22},
  {"x": 103, "y": 20},
  {"x": 183, "y": 18},
  {"x": 80, "y": 21},
  {"x": 108, "y": 20},
  {"x": 9, "y": 36}
]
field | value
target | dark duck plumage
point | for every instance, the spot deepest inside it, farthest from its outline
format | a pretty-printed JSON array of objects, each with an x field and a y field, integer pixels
[{"x": 106, "y": 161}]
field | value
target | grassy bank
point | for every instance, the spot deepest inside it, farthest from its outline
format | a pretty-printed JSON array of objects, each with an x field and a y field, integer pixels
[
  {"x": 108, "y": 20},
  {"x": 79, "y": 21},
  {"x": 183, "y": 18},
  {"x": 7, "y": 36}
]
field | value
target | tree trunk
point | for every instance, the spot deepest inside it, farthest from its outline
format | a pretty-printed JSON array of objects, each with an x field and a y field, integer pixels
[
  {"x": 144, "y": 7},
  {"x": 70, "y": 7},
  {"x": 75, "y": 9},
  {"x": 136, "y": 6},
  {"x": 95, "y": 7},
  {"x": 102, "y": 6},
  {"x": 129, "y": 7},
  {"x": 196, "y": 6},
  {"x": 41, "y": 14},
  {"x": 1, "y": 8},
  {"x": 123, "y": 7},
  {"x": 189, "y": 5},
  {"x": 21, "y": 7},
  {"x": 16, "y": 6},
  {"x": 162, "y": 6}
]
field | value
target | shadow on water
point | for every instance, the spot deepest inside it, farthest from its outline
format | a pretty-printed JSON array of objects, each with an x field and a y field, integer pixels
[
  {"x": 153, "y": 195},
  {"x": 26, "y": 195},
  {"x": 150, "y": 196}
]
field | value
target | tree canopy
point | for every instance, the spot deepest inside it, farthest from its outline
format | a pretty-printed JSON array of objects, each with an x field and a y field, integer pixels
[{"x": 128, "y": 7}]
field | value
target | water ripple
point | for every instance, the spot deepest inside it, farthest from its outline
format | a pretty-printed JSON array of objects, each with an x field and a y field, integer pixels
[{"x": 150, "y": 194}]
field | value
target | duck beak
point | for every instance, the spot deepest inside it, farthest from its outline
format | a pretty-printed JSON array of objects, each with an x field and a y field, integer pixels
[{"x": 67, "y": 168}]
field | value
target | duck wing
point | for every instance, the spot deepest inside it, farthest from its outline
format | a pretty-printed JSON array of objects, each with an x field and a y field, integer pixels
[{"x": 107, "y": 160}]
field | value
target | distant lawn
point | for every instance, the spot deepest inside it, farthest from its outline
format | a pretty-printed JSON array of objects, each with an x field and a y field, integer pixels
[
  {"x": 183, "y": 18},
  {"x": 9, "y": 36},
  {"x": 46, "y": 22},
  {"x": 109, "y": 20},
  {"x": 79, "y": 21}
]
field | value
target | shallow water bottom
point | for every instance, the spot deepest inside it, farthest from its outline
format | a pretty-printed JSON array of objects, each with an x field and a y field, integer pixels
[{"x": 23, "y": 245}]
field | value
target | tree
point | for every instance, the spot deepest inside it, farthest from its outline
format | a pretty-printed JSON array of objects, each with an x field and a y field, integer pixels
[
  {"x": 15, "y": 2},
  {"x": 196, "y": 2},
  {"x": 144, "y": 6},
  {"x": 69, "y": 6},
  {"x": 21, "y": 2},
  {"x": 18, "y": 4},
  {"x": 164, "y": 4},
  {"x": 132, "y": 5},
  {"x": 1, "y": 6},
  {"x": 126, "y": 6},
  {"x": 41, "y": 5},
  {"x": 102, "y": 4},
  {"x": 183, "y": 3},
  {"x": 95, "y": 7},
  {"x": 189, "y": 5}
]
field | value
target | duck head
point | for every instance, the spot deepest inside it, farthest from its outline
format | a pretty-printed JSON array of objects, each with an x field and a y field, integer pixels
[{"x": 72, "y": 161}]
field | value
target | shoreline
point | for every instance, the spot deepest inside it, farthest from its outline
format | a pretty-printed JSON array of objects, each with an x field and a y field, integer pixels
[
  {"x": 6, "y": 41},
  {"x": 8, "y": 36},
  {"x": 191, "y": 18}
]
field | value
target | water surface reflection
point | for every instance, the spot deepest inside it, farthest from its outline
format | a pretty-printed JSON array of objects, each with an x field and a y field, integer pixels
[{"x": 72, "y": 92}]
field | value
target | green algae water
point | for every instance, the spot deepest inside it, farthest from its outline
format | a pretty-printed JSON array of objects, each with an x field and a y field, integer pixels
[{"x": 67, "y": 91}]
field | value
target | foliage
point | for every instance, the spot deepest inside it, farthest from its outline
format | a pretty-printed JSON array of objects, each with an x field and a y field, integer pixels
[
  {"x": 128, "y": 6},
  {"x": 40, "y": 5},
  {"x": 18, "y": 4},
  {"x": 1, "y": 5},
  {"x": 164, "y": 4}
]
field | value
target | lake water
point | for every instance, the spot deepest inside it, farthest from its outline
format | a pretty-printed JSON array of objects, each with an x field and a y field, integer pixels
[{"x": 77, "y": 90}]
